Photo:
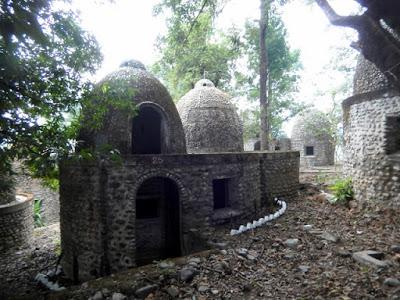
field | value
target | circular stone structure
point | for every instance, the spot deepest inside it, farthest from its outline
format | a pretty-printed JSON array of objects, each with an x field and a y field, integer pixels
[
  {"x": 210, "y": 121},
  {"x": 155, "y": 127},
  {"x": 371, "y": 122},
  {"x": 310, "y": 138},
  {"x": 16, "y": 223}
]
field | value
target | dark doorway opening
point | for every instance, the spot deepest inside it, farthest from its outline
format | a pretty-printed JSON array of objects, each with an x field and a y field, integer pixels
[
  {"x": 221, "y": 193},
  {"x": 157, "y": 220},
  {"x": 146, "y": 132},
  {"x": 392, "y": 134},
  {"x": 309, "y": 150},
  {"x": 257, "y": 146}
]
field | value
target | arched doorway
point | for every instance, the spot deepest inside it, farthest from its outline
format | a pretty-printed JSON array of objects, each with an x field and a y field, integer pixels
[
  {"x": 147, "y": 131},
  {"x": 157, "y": 220}
]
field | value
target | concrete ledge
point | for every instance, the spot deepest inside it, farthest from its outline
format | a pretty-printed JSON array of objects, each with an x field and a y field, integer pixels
[
  {"x": 16, "y": 205},
  {"x": 370, "y": 96}
]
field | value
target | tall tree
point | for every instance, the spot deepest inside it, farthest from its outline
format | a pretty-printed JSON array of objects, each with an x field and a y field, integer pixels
[
  {"x": 378, "y": 27},
  {"x": 192, "y": 48},
  {"x": 283, "y": 64},
  {"x": 44, "y": 54},
  {"x": 264, "y": 105}
]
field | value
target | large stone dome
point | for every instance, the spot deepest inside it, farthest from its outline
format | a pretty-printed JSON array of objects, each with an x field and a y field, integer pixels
[
  {"x": 210, "y": 121},
  {"x": 155, "y": 128},
  {"x": 368, "y": 77}
]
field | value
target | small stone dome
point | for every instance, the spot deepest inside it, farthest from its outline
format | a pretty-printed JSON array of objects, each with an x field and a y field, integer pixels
[
  {"x": 155, "y": 128},
  {"x": 368, "y": 77},
  {"x": 210, "y": 121},
  {"x": 310, "y": 136}
]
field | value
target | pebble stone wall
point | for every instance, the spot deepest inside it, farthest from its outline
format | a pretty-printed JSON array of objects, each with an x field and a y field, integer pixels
[
  {"x": 50, "y": 211},
  {"x": 98, "y": 202},
  {"x": 302, "y": 136},
  {"x": 372, "y": 143},
  {"x": 16, "y": 224},
  {"x": 210, "y": 120}
]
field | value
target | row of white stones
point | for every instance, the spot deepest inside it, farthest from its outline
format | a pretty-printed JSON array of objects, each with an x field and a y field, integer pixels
[{"x": 262, "y": 221}]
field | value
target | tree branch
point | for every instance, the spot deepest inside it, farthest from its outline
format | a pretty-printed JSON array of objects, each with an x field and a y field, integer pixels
[
  {"x": 195, "y": 20},
  {"x": 335, "y": 19}
]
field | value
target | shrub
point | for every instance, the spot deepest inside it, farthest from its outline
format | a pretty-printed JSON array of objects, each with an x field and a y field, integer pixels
[
  {"x": 37, "y": 217},
  {"x": 342, "y": 190}
]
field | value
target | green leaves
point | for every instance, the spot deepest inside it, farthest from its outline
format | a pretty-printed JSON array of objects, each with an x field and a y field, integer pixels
[
  {"x": 192, "y": 48},
  {"x": 342, "y": 190},
  {"x": 44, "y": 55}
]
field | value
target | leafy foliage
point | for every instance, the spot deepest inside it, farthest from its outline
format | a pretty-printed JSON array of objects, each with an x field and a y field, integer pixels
[
  {"x": 44, "y": 55},
  {"x": 37, "y": 210},
  {"x": 192, "y": 48},
  {"x": 342, "y": 190},
  {"x": 282, "y": 83}
]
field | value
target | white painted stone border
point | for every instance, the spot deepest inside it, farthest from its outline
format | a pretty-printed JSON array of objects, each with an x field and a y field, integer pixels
[{"x": 262, "y": 221}]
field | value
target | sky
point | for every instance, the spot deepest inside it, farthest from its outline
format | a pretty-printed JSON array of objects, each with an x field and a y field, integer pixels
[{"x": 127, "y": 29}]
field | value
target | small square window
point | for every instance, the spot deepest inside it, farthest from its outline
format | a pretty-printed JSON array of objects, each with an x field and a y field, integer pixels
[
  {"x": 221, "y": 193},
  {"x": 309, "y": 150}
]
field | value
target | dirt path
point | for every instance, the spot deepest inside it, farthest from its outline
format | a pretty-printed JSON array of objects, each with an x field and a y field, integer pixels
[{"x": 316, "y": 263}]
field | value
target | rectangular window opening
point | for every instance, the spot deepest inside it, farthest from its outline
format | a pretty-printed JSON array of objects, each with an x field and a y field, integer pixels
[
  {"x": 221, "y": 193},
  {"x": 309, "y": 150},
  {"x": 392, "y": 133}
]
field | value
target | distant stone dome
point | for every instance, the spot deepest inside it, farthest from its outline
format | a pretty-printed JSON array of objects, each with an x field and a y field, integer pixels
[
  {"x": 310, "y": 137},
  {"x": 368, "y": 77},
  {"x": 156, "y": 128},
  {"x": 209, "y": 120}
]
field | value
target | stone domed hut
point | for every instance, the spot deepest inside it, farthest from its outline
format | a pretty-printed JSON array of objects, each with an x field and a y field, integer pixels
[
  {"x": 156, "y": 201},
  {"x": 157, "y": 127},
  {"x": 371, "y": 121},
  {"x": 310, "y": 137},
  {"x": 210, "y": 120}
]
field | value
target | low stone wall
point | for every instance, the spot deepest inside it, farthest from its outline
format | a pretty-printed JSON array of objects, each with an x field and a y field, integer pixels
[
  {"x": 98, "y": 226},
  {"x": 372, "y": 147},
  {"x": 16, "y": 224},
  {"x": 50, "y": 211}
]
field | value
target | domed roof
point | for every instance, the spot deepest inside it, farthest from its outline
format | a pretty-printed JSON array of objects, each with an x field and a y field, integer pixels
[
  {"x": 131, "y": 83},
  {"x": 368, "y": 77},
  {"x": 312, "y": 124},
  {"x": 209, "y": 120}
]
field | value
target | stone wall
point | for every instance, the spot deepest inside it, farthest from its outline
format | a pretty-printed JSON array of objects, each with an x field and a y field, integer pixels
[
  {"x": 50, "y": 211},
  {"x": 309, "y": 131},
  {"x": 370, "y": 157},
  {"x": 98, "y": 202},
  {"x": 16, "y": 224}
]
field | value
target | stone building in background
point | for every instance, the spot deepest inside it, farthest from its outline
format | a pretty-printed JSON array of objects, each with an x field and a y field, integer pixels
[
  {"x": 311, "y": 137},
  {"x": 371, "y": 121},
  {"x": 157, "y": 201},
  {"x": 210, "y": 120}
]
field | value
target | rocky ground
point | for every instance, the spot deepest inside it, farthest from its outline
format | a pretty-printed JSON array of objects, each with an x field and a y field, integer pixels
[
  {"x": 18, "y": 269},
  {"x": 308, "y": 253}
]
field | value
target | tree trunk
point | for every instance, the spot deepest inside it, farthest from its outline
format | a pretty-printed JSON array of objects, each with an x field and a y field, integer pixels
[
  {"x": 378, "y": 44},
  {"x": 264, "y": 132}
]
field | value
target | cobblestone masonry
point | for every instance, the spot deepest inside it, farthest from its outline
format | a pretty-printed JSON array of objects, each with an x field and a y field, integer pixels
[
  {"x": 210, "y": 120},
  {"x": 372, "y": 137},
  {"x": 308, "y": 132},
  {"x": 98, "y": 202},
  {"x": 16, "y": 225},
  {"x": 50, "y": 211},
  {"x": 147, "y": 91},
  {"x": 375, "y": 171}
]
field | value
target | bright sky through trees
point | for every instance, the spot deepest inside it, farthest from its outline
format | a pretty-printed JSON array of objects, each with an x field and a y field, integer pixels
[{"x": 127, "y": 29}]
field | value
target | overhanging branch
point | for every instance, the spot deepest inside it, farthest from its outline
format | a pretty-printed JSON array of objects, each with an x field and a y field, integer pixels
[{"x": 335, "y": 19}]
